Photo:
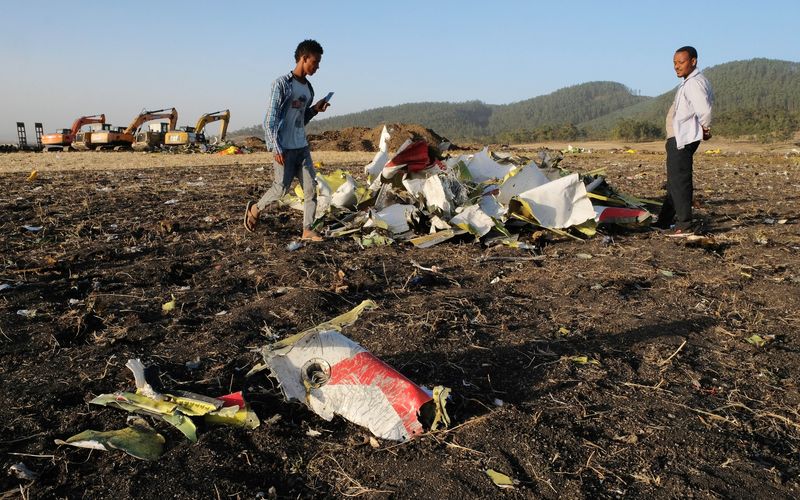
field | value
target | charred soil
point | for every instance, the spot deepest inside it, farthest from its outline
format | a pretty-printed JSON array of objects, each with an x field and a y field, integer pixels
[{"x": 619, "y": 366}]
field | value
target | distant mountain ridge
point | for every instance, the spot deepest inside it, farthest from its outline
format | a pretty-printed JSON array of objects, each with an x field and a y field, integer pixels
[{"x": 759, "y": 97}]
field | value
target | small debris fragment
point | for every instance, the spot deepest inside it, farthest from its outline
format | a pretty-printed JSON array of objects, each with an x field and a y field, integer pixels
[
  {"x": 501, "y": 480},
  {"x": 22, "y": 471}
]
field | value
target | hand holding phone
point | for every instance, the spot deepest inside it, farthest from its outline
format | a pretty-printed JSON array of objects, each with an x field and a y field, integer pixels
[{"x": 327, "y": 98}]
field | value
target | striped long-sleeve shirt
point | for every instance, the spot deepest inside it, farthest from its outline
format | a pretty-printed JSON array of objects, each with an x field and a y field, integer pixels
[{"x": 279, "y": 100}]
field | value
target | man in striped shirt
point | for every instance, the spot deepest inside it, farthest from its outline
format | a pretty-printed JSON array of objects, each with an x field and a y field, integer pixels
[{"x": 289, "y": 111}]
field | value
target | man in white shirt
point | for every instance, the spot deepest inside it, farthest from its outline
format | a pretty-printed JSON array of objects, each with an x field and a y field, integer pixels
[{"x": 688, "y": 122}]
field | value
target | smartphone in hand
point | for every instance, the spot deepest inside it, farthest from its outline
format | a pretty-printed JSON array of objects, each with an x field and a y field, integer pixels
[{"x": 327, "y": 98}]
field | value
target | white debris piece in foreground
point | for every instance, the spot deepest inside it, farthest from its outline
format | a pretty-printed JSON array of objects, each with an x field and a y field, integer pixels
[{"x": 335, "y": 376}]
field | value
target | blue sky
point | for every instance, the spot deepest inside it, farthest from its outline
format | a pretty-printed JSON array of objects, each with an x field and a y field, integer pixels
[{"x": 64, "y": 60}]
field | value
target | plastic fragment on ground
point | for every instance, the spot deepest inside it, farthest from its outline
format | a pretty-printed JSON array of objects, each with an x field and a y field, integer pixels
[
  {"x": 138, "y": 440},
  {"x": 560, "y": 203},
  {"x": 168, "y": 306},
  {"x": 335, "y": 376}
]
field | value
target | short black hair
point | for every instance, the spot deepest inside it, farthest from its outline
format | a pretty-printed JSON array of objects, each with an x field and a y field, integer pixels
[
  {"x": 691, "y": 50},
  {"x": 307, "y": 48}
]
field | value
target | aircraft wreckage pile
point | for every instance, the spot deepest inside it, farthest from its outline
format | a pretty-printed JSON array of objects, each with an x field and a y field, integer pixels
[{"x": 418, "y": 196}]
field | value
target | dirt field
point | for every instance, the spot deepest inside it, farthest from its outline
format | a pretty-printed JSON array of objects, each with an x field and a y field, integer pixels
[{"x": 671, "y": 399}]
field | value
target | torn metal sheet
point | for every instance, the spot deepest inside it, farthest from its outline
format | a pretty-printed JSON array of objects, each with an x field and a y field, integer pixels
[
  {"x": 474, "y": 220},
  {"x": 438, "y": 224},
  {"x": 138, "y": 440},
  {"x": 394, "y": 218},
  {"x": 414, "y": 157},
  {"x": 335, "y": 376},
  {"x": 491, "y": 207},
  {"x": 560, "y": 203},
  {"x": 618, "y": 215},
  {"x": 525, "y": 179},
  {"x": 177, "y": 408},
  {"x": 483, "y": 168},
  {"x": 432, "y": 239},
  {"x": 438, "y": 197},
  {"x": 336, "y": 323},
  {"x": 373, "y": 169},
  {"x": 414, "y": 185}
]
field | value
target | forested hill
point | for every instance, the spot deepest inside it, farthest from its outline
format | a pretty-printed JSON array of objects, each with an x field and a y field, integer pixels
[
  {"x": 757, "y": 97},
  {"x": 477, "y": 120}
]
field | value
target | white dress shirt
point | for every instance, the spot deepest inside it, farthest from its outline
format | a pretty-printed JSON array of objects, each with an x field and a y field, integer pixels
[{"x": 693, "y": 101}]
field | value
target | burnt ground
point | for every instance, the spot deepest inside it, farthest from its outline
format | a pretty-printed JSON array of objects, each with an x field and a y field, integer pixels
[{"x": 673, "y": 401}]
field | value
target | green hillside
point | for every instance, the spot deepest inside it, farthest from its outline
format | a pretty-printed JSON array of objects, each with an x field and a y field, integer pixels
[
  {"x": 575, "y": 104},
  {"x": 758, "y": 97}
]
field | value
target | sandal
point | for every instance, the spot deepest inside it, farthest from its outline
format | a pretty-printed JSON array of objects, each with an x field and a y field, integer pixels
[
  {"x": 250, "y": 220},
  {"x": 310, "y": 235}
]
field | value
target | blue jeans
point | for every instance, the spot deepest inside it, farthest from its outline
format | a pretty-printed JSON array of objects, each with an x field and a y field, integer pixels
[{"x": 296, "y": 163}]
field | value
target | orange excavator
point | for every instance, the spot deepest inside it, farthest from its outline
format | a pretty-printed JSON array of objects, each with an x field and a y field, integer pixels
[
  {"x": 120, "y": 138},
  {"x": 189, "y": 136},
  {"x": 63, "y": 139}
]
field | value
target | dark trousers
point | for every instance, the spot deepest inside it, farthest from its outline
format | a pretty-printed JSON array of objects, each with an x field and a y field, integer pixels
[{"x": 677, "y": 206}]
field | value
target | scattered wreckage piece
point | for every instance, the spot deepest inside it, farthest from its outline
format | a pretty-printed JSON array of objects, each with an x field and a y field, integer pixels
[
  {"x": 333, "y": 375},
  {"x": 138, "y": 440},
  {"x": 178, "y": 407}
]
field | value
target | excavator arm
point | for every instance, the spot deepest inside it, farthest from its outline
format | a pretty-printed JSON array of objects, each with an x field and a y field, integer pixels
[
  {"x": 85, "y": 120},
  {"x": 159, "y": 114},
  {"x": 207, "y": 118}
]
